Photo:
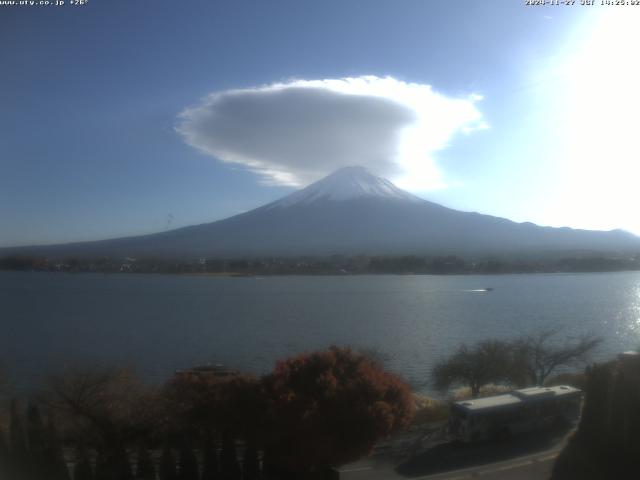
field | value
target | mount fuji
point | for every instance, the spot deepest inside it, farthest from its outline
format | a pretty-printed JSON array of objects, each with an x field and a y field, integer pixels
[{"x": 349, "y": 212}]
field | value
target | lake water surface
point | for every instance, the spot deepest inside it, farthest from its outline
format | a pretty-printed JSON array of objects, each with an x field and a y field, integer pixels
[{"x": 159, "y": 323}]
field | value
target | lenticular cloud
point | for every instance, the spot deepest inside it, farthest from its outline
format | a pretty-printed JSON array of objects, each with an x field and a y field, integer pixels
[{"x": 296, "y": 132}]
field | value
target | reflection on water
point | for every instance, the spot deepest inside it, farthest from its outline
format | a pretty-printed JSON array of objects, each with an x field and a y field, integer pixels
[
  {"x": 158, "y": 323},
  {"x": 635, "y": 309}
]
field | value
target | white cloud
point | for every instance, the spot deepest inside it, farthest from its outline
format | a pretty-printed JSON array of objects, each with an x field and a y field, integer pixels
[{"x": 295, "y": 132}]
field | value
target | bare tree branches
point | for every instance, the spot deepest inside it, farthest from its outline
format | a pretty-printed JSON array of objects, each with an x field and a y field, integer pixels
[
  {"x": 106, "y": 407},
  {"x": 540, "y": 354},
  {"x": 524, "y": 361},
  {"x": 475, "y": 366}
]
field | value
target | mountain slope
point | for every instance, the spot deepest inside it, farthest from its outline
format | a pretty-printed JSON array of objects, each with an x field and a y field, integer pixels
[{"x": 349, "y": 212}]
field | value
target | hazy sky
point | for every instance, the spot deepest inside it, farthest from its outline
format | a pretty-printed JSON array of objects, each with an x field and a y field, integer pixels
[{"x": 124, "y": 117}]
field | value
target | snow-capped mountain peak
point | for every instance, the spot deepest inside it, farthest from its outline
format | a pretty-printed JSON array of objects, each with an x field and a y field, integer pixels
[{"x": 348, "y": 183}]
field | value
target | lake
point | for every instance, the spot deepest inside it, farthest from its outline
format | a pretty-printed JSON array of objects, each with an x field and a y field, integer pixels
[{"x": 159, "y": 323}]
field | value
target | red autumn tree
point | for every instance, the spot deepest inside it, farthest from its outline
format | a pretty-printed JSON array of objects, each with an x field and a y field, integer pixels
[
  {"x": 330, "y": 407},
  {"x": 204, "y": 403}
]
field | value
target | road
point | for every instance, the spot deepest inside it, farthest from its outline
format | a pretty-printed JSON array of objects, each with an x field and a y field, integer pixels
[
  {"x": 533, "y": 467},
  {"x": 525, "y": 458}
]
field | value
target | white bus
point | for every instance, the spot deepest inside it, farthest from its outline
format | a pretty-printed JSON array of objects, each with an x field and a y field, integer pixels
[{"x": 519, "y": 411}]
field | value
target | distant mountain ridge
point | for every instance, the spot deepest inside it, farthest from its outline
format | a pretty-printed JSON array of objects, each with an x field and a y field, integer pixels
[{"x": 350, "y": 212}]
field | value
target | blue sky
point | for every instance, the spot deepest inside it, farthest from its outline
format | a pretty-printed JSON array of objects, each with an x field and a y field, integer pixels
[{"x": 125, "y": 117}]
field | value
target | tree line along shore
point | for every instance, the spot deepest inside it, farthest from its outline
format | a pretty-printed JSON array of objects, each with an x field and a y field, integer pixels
[{"x": 332, "y": 265}]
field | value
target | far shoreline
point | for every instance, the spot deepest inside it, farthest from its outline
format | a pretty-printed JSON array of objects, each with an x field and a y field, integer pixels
[
  {"x": 335, "y": 265},
  {"x": 328, "y": 274}
]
